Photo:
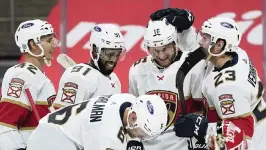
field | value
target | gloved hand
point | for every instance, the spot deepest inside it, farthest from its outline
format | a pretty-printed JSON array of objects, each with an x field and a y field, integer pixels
[
  {"x": 191, "y": 125},
  {"x": 134, "y": 144},
  {"x": 180, "y": 18}
]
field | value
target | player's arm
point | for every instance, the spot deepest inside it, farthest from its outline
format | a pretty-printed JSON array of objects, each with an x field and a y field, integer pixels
[
  {"x": 76, "y": 84},
  {"x": 236, "y": 125},
  {"x": 183, "y": 20},
  {"x": 232, "y": 104},
  {"x": 100, "y": 143},
  {"x": 192, "y": 86},
  {"x": 98, "y": 139},
  {"x": 197, "y": 74},
  {"x": 133, "y": 89},
  {"x": 188, "y": 40},
  {"x": 15, "y": 108}
]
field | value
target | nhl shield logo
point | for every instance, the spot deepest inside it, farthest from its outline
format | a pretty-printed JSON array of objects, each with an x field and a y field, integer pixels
[
  {"x": 69, "y": 92},
  {"x": 171, "y": 100}
]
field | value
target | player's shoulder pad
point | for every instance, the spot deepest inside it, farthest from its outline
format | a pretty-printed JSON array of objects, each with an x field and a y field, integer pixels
[
  {"x": 244, "y": 68},
  {"x": 26, "y": 71},
  {"x": 243, "y": 73},
  {"x": 24, "y": 74},
  {"x": 122, "y": 97},
  {"x": 141, "y": 65},
  {"x": 81, "y": 70}
]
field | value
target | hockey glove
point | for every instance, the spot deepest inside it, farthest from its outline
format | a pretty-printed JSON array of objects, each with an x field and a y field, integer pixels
[
  {"x": 133, "y": 144},
  {"x": 180, "y": 18},
  {"x": 191, "y": 125}
]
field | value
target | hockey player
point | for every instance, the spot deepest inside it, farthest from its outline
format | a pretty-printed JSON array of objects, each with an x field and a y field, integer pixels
[
  {"x": 156, "y": 74},
  {"x": 36, "y": 41},
  {"x": 232, "y": 91},
  {"x": 84, "y": 81},
  {"x": 101, "y": 123}
]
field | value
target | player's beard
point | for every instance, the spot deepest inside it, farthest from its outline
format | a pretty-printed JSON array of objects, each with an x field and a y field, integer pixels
[{"x": 104, "y": 70}]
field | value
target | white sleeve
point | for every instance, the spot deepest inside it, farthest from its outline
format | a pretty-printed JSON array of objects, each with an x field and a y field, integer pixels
[
  {"x": 11, "y": 140},
  {"x": 99, "y": 143},
  {"x": 96, "y": 137},
  {"x": 188, "y": 39},
  {"x": 15, "y": 100},
  {"x": 133, "y": 89},
  {"x": 13, "y": 87},
  {"x": 231, "y": 101},
  {"x": 197, "y": 74},
  {"x": 74, "y": 88}
]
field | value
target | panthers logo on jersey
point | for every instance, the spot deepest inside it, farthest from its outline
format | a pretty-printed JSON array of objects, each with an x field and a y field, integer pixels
[{"x": 171, "y": 101}]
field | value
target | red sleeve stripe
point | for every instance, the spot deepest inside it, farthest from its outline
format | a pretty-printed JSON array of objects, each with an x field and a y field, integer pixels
[
  {"x": 16, "y": 103},
  {"x": 12, "y": 114},
  {"x": 246, "y": 130},
  {"x": 192, "y": 105},
  {"x": 31, "y": 122}
]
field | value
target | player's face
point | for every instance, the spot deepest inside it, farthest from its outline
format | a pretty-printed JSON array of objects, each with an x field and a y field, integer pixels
[
  {"x": 205, "y": 40},
  {"x": 49, "y": 43},
  {"x": 163, "y": 55},
  {"x": 108, "y": 59},
  {"x": 136, "y": 132}
]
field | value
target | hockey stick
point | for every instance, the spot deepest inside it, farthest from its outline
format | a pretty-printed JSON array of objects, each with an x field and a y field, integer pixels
[
  {"x": 33, "y": 106},
  {"x": 65, "y": 61},
  {"x": 193, "y": 58}
]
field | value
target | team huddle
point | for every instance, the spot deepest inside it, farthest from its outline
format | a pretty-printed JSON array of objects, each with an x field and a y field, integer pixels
[{"x": 222, "y": 106}]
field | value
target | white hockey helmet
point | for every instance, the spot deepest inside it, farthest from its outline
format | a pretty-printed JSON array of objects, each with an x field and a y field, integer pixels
[
  {"x": 106, "y": 36},
  {"x": 151, "y": 115},
  {"x": 159, "y": 33},
  {"x": 32, "y": 30},
  {"x": 222, "y": 28}
]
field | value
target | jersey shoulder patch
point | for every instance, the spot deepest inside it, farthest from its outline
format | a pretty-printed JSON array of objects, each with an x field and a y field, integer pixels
[{"x": 18, "y": 76}]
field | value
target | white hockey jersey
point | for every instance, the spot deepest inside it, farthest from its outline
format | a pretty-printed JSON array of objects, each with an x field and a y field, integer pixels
[
  {"x": 82, "y": 82},
  {"x": 93, "y": 124},
  {"x": 233, "y": 91},
  {"x": 15, "y": 109},
  {"x": 146, "y": 78}
]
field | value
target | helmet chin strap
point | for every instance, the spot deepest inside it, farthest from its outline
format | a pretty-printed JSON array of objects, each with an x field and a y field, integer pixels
[
  {"x": 47, "y": 63},
  {"x": 95, "y": 61},
  {"x": 212, "y": 54}
]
